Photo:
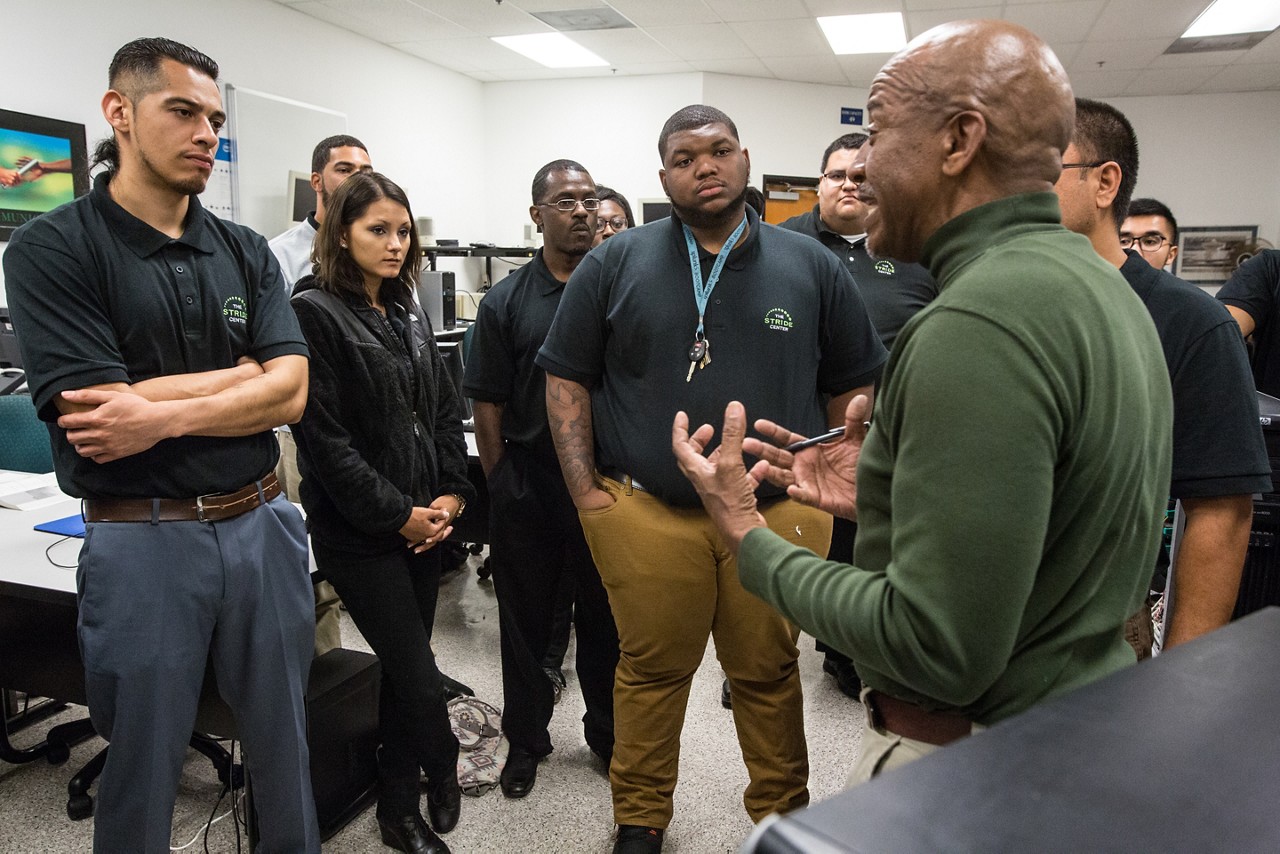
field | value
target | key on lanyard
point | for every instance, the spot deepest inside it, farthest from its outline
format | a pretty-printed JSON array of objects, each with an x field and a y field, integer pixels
[{"x": 699, "y": 357}]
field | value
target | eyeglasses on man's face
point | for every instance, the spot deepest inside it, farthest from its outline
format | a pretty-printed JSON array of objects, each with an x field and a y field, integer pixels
[
  {"x": 839, "y": 176},
  {"x": 1083, "y": 165},
  {"x": 570, "y": 205},
  {"x": 1149, "y": 242},
  {"x": 617, "y": 223}
]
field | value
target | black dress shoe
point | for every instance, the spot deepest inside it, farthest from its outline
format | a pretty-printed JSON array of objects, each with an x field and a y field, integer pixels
[
  {"x": 453, "y": 689},
  {"x": 726, "y": 698},
  {"x": 520, "y": 773},
  {"x": 846, "y": 675},
  {"x": 409, "y": 833},
  {"x": 633, "y": 839},
  {"x": 444, "y": 803}
]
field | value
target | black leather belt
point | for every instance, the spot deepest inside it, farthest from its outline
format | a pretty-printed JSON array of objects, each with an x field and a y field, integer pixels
[{"x": 204, "y": 508}]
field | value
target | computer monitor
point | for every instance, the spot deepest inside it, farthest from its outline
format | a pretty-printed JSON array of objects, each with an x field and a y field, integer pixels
[
  {"x": 451, "y": 355},
  {"x": 9, "y": 355},
  {"x": 302, "y": 199}
]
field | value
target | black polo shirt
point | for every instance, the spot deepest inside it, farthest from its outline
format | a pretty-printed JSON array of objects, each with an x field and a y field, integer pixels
[
  {"x": 786, "y": 325},
  {"x": 98, "y": 296},
  {"x": 1218, "y": 447},
  {"x": 893, "y": 291},
  {"x": 511, "y": 325},
  {"x": 1255, "y": 288}
]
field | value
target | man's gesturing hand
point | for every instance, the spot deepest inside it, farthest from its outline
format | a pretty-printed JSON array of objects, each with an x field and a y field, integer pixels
[{"x": 723, "y": 483}]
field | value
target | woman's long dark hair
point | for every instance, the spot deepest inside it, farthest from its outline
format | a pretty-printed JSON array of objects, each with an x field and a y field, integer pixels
[{"x": 336, "y": 271}]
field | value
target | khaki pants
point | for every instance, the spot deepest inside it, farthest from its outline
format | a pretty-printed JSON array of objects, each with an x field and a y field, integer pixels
[
  {"x": 883, "y": 750},
  {"x": 671, "y": 583},
  {"x": 328, "y": 619}
]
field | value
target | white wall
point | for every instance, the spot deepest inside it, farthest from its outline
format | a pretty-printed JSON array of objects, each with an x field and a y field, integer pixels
[
  {"x": 1213, "y": 159},
  {"x": 422, "y": 123},
  {"x": 608, "y": 125},
  {"x": 785, "y": 126}
]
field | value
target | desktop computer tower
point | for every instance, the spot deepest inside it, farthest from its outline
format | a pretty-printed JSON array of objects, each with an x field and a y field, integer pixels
[
  {"x": 437, "y": 294},
  {"x": 342, "y": 734},
  {"x": 1260, "y": 581}
]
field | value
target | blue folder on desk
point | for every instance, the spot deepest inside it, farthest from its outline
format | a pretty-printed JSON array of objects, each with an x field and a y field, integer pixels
[{"x": 70, "y": 526}]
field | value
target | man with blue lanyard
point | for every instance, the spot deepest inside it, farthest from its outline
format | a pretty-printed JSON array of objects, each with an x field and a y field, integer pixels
[{"x": 688, "y": 313}]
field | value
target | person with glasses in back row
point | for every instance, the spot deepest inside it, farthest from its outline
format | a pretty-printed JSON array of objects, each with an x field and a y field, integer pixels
[
  {"x": 1150, "y": 229},
  {"x": 614, "y": 215},
  {"x": 1219, "y": 458},
  {"x": 536, "y": 546}
]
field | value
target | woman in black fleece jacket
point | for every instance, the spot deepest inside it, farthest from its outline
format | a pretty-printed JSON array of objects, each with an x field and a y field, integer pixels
[{"x": 384, "y": 474}]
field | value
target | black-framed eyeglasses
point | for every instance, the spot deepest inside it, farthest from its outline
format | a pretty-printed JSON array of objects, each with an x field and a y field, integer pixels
[
  {"x": 1093, "y": 165},
  {"x": 569, "y": 205},
  {"x": 617, "y": 223},
  {"x": 839, "y": 176},
  {"x": 1149, "y": 242}
]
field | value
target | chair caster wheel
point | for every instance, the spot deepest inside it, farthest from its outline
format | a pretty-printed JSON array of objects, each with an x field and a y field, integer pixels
[
  {"x": 80, "y": 807},
  {"x": 58, "y": 752},
  {"x": 483, "y": 571},
  {"x": 475, "y": 548}
]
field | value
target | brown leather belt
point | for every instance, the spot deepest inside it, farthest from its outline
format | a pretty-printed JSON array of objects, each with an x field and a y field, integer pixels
[
  {"x": 911, "y": 721},
  {"x": 205, "y": 508}
]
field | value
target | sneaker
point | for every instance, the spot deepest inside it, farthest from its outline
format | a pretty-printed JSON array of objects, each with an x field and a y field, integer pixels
[
  {"x": 633, "y": 839},
  {"x": 556, "y": 675}
]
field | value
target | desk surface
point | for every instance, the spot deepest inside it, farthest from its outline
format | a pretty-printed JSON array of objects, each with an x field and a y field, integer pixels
[
  {"x": 25, "y": 568},
  {"x": 1179, "y": 753}
]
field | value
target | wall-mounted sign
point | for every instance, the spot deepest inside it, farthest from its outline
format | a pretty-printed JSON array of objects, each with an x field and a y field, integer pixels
[{"x": 850, "y": 116}]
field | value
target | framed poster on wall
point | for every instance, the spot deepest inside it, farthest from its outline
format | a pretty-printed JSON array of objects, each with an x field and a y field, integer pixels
[
  {"x": 1208, "y": 255},
  {"x": 44, "y": 163}
]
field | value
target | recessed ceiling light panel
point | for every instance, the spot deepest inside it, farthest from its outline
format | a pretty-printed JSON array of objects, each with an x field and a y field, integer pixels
[
  {"x": 879, "y": 33},
  {"x": 1228, "y": 17},
  {"x": 553, "y": 50}
]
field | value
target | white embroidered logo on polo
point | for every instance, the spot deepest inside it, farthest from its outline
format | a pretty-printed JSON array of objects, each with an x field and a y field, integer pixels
[
  {"x": 885, "y": 268},
  {"x": 235, "y": 310},
  {"x": 778, "y": 319}
]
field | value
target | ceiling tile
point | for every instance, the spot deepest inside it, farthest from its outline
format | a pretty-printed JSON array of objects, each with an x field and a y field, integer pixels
[
  {"x": 807, "y": 69},
  {"x": 799, "y": 37},
  {"x": 1191, "y": 60},
  {"x": 675, "y": 67},
  {"x": 1170, "y": 81},
  {"x": 933, "y": 5},
  {"x": 701, "y": 41},
  {"x": 820, "y": 8},
  {"x": 1268, "y": 50},
  {"x": 1102, "y": 84},
  {"x": 1122, "y": 20},
  {"x": 920, "y": 22},
  {"x": 622, "y": 47},
  {"x": 859, "y": 69},
  {"x": 483, "y": 17},
  {"x": 1118, "y": 56},
  {"x": 1064, "y": 21},
  {"x": 383, "y": 20},
  {"x": 1243, "y": 78},
  {"x": 758, "y": 10},
  {"x": 473, "y": 53},
  {"x": 533, "y": 6},
  {"x": 750, "y": 67},
  {"x": 657, "y": 13}
]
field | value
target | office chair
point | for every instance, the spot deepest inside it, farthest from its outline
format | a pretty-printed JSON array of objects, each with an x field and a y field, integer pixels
[{"x": 24, "y": 440}]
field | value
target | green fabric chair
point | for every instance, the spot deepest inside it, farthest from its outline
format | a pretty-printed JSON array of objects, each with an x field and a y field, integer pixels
[{"x": 24, "y": 440}]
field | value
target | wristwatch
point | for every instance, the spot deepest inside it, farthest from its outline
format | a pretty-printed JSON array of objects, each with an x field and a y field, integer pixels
[{"x": 462, "y": 505}]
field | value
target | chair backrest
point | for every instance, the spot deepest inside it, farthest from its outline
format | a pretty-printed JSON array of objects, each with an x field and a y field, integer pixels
[{"x": 24, "y": 440}]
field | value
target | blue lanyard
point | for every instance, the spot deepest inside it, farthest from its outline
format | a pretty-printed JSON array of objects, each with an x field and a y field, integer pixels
[{"x": 702, "y": 290}]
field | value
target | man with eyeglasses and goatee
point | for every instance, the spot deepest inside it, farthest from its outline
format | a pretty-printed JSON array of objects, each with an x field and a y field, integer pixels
[
  {"x": 893, "y": 292},
  {"x": 536, "y": 542},
  {"x": 1219, "y": 458}
]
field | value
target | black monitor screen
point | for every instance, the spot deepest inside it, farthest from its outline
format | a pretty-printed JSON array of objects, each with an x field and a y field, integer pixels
[{"x": 9, "y": 355}]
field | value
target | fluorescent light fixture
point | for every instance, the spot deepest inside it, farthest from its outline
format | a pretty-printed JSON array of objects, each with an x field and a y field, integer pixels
[
  {"x": 879, "y": 33},
  {"x": 1228, "y": 17},
  {"x": 554, "y": 50}
]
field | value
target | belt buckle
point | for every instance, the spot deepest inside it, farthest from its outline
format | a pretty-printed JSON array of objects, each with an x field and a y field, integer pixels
[{"x": 200, "y": 509}]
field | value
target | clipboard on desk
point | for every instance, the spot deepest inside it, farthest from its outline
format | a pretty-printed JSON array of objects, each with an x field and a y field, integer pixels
[{"x": 68, "y": 526}]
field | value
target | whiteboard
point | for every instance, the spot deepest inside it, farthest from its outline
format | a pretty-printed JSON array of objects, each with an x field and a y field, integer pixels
[{"x": 273, "y": 136}]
